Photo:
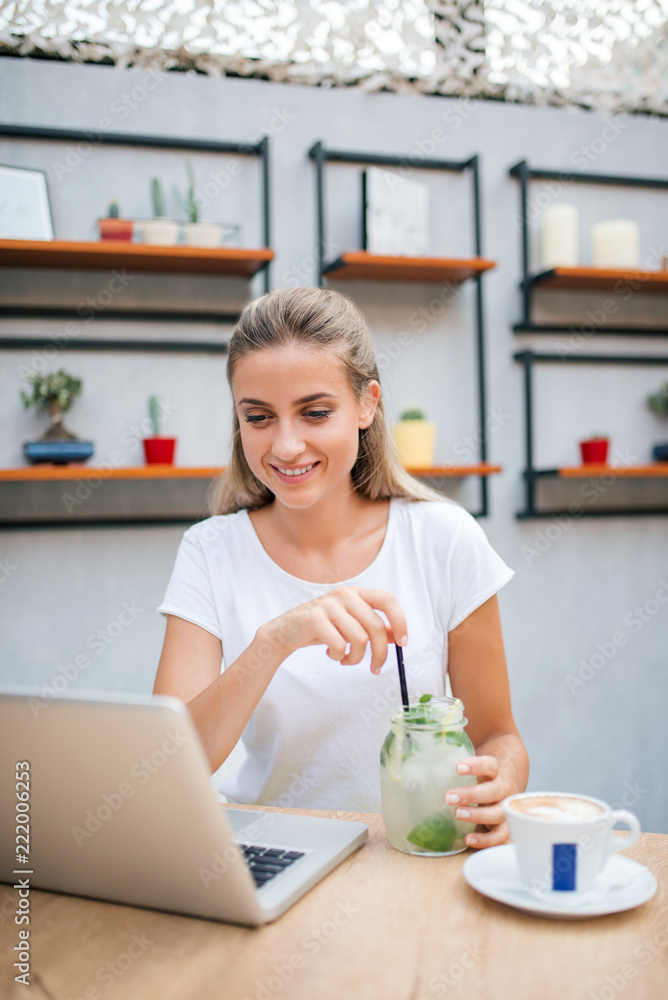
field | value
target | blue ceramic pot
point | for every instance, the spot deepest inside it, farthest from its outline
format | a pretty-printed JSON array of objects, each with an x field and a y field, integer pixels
[
  {"x": 660, "y": 452},
  {"x": 59, "y": 452}
]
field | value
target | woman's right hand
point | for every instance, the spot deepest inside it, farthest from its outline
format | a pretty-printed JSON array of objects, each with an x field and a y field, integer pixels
[{"x": 344, "y": 615}]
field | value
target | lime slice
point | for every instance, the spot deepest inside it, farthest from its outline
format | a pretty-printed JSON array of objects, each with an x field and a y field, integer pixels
[{"x": 436, "y": 833}]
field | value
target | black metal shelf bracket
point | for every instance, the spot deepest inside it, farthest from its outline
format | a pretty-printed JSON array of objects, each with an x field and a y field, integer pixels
[
  {"x": 116, "y": 344},
  {"x": 524, "y": 173},
  {"x": 549, "y": 328},
  {"x": 530, "y": 473},
  {"x": 75, "y": 342},
  {"x": 321, "y": 156},
  {"x": 91, "y": 522}
]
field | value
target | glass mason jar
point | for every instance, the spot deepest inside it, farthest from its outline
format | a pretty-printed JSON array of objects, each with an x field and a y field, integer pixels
[{"x": 418, "y": 763}]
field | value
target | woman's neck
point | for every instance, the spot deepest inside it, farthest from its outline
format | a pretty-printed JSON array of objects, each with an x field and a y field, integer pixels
[
  {"x": 332, "y": 522},
  {"x": 333, "y": 540}
]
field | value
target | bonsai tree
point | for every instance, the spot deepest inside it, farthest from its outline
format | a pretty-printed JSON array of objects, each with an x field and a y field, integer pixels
[
  {"x": 658, "y": 401},
  {"x": 188, "y": 203},
  {"x": 53, "y": 394}
]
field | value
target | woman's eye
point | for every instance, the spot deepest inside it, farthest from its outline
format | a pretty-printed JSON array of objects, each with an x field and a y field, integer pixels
[{"x": 256, "y": 418}]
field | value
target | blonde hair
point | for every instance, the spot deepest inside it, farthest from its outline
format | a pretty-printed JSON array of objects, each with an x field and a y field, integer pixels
[{"x": 328, "y": 319}]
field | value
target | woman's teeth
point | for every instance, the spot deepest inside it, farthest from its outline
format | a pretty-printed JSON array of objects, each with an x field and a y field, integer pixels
[{"x": 295, "y": 472}]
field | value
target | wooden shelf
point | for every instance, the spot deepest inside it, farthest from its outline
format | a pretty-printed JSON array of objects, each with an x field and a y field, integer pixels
[
  {"x": 45, "y": 472},
  {"x": 456, "y": 471},
  {"x": 657, "y": 470},
  {"x": 373, "y": 267},
  {"x": 103, "y": 255},
  {"x": 601, "y": 278}
]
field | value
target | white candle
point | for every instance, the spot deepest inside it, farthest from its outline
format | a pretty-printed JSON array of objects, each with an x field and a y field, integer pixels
[
  {"x": 559, "y": 237},
  {"x": 616, "y": 243}
]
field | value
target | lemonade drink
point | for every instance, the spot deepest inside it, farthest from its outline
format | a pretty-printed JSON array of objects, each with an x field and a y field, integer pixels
[{"x": 418, "y": 763}]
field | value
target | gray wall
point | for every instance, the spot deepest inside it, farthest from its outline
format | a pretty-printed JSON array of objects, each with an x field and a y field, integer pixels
[{"x": 579, "y": 583}]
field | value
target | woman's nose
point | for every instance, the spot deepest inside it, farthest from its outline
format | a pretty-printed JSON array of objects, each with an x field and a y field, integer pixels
[{"x": 288, "y": 444}]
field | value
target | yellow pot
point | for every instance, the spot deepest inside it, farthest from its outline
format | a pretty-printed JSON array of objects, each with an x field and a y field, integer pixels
[{"x": 415, "y": 441}]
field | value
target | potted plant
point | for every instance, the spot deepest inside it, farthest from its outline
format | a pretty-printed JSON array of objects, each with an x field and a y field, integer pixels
[
  {"x": 658, "y": 403},
  {"x": 415, "y": 439},
  {"x": 54, "y": 394},
  {"x": 157, "y": 450},
  {"x": 113, "y": 227},
  {"x": 594, "y": 450},
  {"x": 200, "y": 234},
  {"x": 159, "y": 229}
]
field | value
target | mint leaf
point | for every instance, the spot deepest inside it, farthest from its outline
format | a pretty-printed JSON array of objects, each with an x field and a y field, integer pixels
[
  {"x": 412, "y": 744},
  {"x": 425, "y": 698},
  {"x": 385, "y": 749},
  {"x": 456, "y": 739},
  {"x": 436, "y": 833}
]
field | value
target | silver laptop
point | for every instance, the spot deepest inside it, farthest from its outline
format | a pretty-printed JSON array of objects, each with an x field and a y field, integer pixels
[{"x": 121, "y": 808}]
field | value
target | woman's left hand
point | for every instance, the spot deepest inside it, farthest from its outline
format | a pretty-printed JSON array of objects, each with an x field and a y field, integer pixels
[{"x": 481, "y": 803}]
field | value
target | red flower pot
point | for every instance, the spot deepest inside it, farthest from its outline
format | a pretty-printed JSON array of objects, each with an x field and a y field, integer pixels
[
  {"x": 594, "y": 451},
  {"x": 116, "y": 229},
  {"x": 159, "y": 450}
]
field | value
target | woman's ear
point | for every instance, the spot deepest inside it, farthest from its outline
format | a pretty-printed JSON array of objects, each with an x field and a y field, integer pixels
[{"x": 369, "y": 403}]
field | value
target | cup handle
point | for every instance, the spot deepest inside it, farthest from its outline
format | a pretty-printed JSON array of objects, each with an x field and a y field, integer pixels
[{"x": 617, "y": 843}]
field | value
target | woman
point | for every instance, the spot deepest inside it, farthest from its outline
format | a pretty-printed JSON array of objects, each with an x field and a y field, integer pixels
[{"x": 320, "y": 542}]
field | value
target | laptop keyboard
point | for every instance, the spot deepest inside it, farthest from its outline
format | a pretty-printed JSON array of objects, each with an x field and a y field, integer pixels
[{"x": 267, "y": 862}]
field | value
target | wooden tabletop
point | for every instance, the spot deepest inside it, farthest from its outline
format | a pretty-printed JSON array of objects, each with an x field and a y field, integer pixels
[{"x": 382, "y": 926}]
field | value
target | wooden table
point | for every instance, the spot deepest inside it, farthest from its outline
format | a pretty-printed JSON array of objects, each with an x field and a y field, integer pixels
[{"x": 381, "y": 926}]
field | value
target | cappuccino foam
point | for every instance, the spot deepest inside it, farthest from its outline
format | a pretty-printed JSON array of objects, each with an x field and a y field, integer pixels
[{"x": 564, "y": 808}]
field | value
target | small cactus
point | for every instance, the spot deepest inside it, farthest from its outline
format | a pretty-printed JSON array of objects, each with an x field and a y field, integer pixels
[
  {"x": 412, "y": 414},
  {"x": 188, "y": 204},
  {"x": 114, "y": 211},
  {"x": 157, "y": 198},
  {"x": 154, "y": 415}
]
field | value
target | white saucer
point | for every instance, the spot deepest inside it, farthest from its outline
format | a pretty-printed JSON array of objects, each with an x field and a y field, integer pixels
[{"x": 623, "y": 885}]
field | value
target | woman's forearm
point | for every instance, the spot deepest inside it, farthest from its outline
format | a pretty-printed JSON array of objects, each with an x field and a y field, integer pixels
[{"x": 222, "y": 711}]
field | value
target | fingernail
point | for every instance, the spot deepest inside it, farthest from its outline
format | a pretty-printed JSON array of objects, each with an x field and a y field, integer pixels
[
  {"x": 451, "y": 798},
  {"x": 471, "y": 841},
  {"x": 463, "y": 813},
  {"x": 376, "y": 670},
  {"x": 403, "y": 640},
  {"x": 463, "y": 768}
]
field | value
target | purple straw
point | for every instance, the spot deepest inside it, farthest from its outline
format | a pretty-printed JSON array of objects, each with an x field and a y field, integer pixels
[{"x": 402, "y": 677}]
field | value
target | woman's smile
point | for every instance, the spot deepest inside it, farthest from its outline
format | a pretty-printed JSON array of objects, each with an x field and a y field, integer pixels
[{"x": 294, "y": 474}]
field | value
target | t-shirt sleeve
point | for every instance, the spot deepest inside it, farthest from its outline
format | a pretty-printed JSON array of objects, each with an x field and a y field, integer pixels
[
  {"x": 476, "y": 571},
  {"x": 189, "y": 592}
]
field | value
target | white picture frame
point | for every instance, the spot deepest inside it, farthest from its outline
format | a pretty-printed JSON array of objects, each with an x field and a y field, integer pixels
[
  {"x": 25, "y": 212},
  {"x": 396, "y": 219}
]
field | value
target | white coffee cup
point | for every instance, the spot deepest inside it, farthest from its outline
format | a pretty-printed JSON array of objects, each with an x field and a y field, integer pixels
[{"x": 563, "y": 841}]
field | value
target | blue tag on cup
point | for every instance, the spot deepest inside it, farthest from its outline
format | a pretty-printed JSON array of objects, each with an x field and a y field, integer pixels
[{"x": 563, "y": 867}]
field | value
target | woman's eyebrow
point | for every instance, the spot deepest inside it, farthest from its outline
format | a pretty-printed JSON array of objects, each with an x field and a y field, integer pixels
[{"x": 295, "y": 402}]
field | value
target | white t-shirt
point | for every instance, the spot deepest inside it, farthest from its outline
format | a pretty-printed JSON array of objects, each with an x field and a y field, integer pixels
[{"x": 314, "y": 740}]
